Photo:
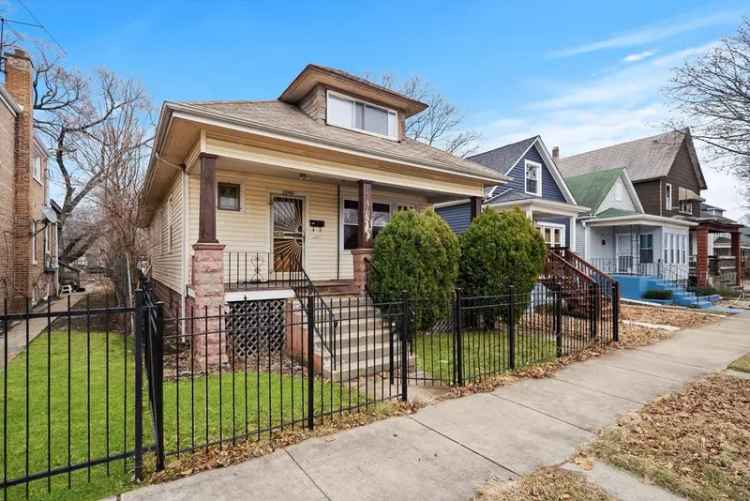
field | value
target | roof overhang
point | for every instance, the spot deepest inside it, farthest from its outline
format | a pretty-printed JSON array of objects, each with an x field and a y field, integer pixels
[
  {"x": 542, "y": 205},
  {"x": 643, "y": 219},
  {"x": 164, "y": 167},
  {"x": 313, "y": 75}
]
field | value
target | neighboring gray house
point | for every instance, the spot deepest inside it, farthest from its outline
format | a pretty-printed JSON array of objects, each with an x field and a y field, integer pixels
[{"x": 536, "y": 187}]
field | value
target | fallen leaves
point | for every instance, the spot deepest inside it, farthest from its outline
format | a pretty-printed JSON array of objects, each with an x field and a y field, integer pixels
[
  {"x": 545, "y": 484},
  {"x": 677, "y": 317},
  {"x": 694, "y": 442}
]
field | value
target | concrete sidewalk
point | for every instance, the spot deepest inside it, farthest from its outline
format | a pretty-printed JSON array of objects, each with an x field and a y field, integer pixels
[{"x": 448, "y": 450}]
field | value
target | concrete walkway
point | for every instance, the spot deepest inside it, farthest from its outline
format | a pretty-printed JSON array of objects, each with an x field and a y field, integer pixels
[
  {"x": 448, "y": 450},
  {"x": 17, "y": 339}
]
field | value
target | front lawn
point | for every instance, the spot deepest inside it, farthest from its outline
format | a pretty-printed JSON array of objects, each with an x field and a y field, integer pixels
[
  {"x": 90, "y": 378},
  {"x": 694, "y": 442},
  {"x": 485, "y": 353}
]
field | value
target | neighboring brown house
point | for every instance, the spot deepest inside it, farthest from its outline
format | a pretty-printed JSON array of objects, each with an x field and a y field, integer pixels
[
  {"x": 28, "y": 233},
  {"x": 668, "y": 179}
]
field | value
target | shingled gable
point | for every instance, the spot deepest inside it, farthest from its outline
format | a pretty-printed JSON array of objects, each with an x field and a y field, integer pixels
[{"x": 646, "y": 158}]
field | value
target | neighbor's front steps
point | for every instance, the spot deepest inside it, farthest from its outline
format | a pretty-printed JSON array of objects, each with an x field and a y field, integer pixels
[
  {"x": 448, "y": 450},
  {"x": 682, "y": 297}
]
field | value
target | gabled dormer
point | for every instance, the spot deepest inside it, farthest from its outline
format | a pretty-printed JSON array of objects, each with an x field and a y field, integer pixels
[
  {"x": 607, "y": 193},
  {"x": 339, "y": 99},
  {"x": 533, "y": 173}
]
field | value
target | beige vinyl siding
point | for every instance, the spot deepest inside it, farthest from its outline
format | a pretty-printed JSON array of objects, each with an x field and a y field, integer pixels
[
  {"x": 166, "y": 233},
  {"x": 249, "y": 229}
]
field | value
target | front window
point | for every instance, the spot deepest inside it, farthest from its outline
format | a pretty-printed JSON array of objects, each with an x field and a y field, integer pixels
[
  {"x": 37, "y": 165},
  {"x": 533, "y": 178},
  {"x": 647, "y": 248},
  {"x": 686, "y": 206},
  {"x": 553, "y": 235},
  {"x": 668, "y": 197},
  {"x": 350, "y": 113},
  {"x": 381, "y": 214},
  {"x": 229, "y": 196}
]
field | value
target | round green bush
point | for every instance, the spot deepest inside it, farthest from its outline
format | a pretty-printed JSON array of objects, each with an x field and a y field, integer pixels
[
  {"x": 416, "y": 253},
  {"x": 499, "y": 250}
]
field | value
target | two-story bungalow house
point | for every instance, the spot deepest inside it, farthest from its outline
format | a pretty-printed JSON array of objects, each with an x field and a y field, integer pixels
[
  {"x": 667, "y": 176},
  {"x": 243, "y": 197},
  {"x": 535, "y": 186},
  {"x": 28, "y": 230}
]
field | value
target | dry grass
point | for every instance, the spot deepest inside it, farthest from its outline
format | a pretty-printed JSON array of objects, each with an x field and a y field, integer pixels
[
  {"x": 633, "y": 336},
  {"x": 677, "y": 317},
  {"x": 545, "y": 484},
  {"x": 695, "y": 442},
  {"x": 742, "y": 364}
]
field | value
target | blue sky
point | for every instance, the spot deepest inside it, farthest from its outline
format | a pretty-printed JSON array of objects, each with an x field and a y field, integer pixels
[{"x": 583, "y": 74}]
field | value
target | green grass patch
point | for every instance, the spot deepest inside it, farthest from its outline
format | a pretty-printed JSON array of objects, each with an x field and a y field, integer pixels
[
  {"x": 484, "y": 353},
  {"x": 741, "y": 364},
  {"x": 91, "y": 379}
]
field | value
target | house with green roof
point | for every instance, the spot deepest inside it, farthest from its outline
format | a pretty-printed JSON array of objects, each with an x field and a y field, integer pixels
[{"x": 617, "y": 236}]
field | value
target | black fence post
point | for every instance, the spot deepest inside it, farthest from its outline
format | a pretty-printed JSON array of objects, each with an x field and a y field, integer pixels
[
  {"x": 140, "y": 317},
  {"x": 594, "y": 307},
  {"x": 458, "y": 342},
  {"x": 157, "y": 367},
  {"x": 616, "y": 312},
  {"x": 557, "y": 295},
  {"x": 511, "y": 330},
  {"x": 404, "y": 346},
  {"x": 310, "y": 362}
]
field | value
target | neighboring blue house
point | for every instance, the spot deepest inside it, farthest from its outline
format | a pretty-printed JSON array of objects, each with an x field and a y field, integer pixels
[{"x": 536, "y": 187}]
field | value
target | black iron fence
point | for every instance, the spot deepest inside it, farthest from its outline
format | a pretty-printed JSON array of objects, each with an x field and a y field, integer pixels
[{"x": 105, "y": 393}]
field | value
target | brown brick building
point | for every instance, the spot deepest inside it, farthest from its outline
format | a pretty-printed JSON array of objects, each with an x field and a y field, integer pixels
[{"x": 28, "y": 232}]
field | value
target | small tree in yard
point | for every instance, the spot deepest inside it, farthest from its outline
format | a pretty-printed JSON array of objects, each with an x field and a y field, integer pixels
[
  {"x": 417, "y": 253},
  {"x": 499, "y": 250}
]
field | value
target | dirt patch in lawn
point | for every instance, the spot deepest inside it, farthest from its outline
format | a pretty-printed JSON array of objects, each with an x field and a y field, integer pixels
[
  {"x": 676, "y": 317},
  {"x": 545, "y": 484},
  {"x": 694, "y": 442}
]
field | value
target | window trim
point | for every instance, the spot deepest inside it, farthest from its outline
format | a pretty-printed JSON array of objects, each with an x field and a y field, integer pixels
[
  {"x": 688, "y": 204},
  {"x": 37, "y": 178},
  {"x": 345, "y": 97},
  {"x": 668, "y": 196},
  {"x": 240, "y": 205},
  {"x": 530, "y": 163},
  {"x": 553, "y": 226},
  {"x": 394, "y": 204},
  {"x": 641, "y": 248}
]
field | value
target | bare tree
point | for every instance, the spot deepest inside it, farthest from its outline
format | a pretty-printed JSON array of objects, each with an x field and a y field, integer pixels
[
  {"x": 81, "y": 117},
  {"x": 713, "y": 93},
  {"x": 440, "y": 125}
]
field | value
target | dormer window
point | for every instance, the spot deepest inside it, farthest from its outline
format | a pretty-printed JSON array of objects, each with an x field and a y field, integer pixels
[
  {"x": 349, "y": 113},
  {"x": 533, "y": 178}
]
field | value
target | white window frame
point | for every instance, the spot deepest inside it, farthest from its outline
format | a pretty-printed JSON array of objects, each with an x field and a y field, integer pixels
[
  {"x": 394, "y": 205},
  {"x": 538, "y": 167},
  {"x": 668, "y": 196},
  {"x": 36, "y": 169},
  {"x": 541, "y": 225},
  {"x": 391, "y": 113}
]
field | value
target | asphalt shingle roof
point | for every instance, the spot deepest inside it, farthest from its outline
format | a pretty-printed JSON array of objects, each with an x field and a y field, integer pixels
[
  {"x": 289, "y": 118},
  {"x": 590, "y": 189},
  {"x": 645, "y": 158},
  {"x": 503, "y": 158}
]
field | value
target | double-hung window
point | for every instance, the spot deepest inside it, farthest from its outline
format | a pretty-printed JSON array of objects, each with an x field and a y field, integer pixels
[
  {"x": 668, "y": 196},
  {"x": 343, "y": 111},
  {"x": 381, "y": 214},
  {"x": 647, "y": 248},
  {"x": 533, "y": 177}
]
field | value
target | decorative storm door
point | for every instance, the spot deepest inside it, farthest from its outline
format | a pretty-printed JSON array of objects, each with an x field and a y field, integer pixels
[{"x": 287, "y": 215}]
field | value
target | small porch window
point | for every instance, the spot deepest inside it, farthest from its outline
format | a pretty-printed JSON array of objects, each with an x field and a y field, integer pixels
[
  {"x": 647, "y": 248},
  {"x": 229, "y": 196},
  {"x": 381, "y": 214},
  {"x": 553, "y": 234},
  {"x": 533, "y": 175}
]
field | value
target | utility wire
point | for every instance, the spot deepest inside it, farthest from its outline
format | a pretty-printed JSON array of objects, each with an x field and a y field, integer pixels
[{"x": 40, "y": 25}]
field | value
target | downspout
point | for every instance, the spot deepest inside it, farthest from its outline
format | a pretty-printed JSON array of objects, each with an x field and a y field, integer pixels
[{"x": 184, "y": 257}]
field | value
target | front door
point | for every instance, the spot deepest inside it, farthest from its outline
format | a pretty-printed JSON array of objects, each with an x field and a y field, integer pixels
[
  {"x": 287, "y": 220},
  {"x": 624, "y": 253}
]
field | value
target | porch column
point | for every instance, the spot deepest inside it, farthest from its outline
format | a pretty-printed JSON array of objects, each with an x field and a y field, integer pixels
[
  {"x": 207, "y": 281},
  {"x": 573, "y": 236},
  {"x": 701, "y": 258},
  {"x": 737, "y": 253},
  {"x": 476, "y": 207},
  {"x": 363, "y": 252}
]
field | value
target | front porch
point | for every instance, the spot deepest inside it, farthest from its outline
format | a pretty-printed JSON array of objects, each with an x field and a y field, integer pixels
[{"x": 711, "y": 269}]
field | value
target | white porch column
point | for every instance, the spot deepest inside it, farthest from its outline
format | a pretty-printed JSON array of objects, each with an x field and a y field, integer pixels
[
  {"x": 530, "y": 213},
  {"x": 572, "y": 243}
]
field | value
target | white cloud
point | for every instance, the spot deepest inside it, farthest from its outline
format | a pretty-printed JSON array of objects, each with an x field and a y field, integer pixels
[
  {"x": 638, "y": 56},
  {"x": 654, "y": 33},
  {"x": 618, "y": 107}
]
